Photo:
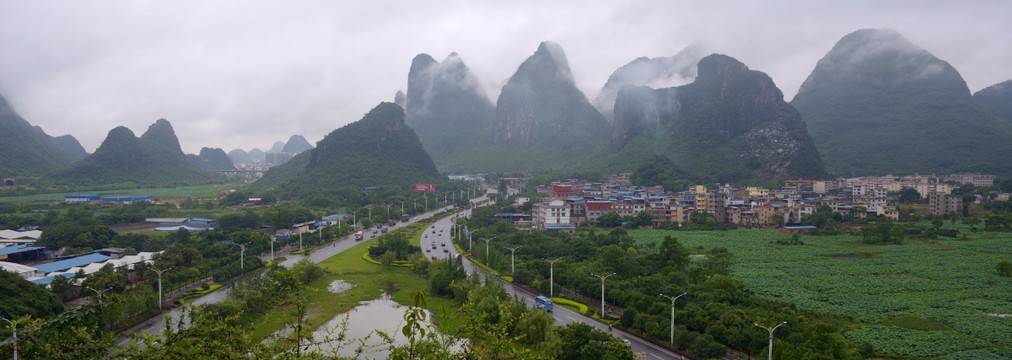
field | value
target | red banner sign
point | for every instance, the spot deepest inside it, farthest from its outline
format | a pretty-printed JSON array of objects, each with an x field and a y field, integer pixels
[{"x": 425, "y": 187}]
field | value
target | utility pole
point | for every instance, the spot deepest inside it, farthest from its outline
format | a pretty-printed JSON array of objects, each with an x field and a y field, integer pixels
[
  {"x": 513, "y": 252},
  {"x": 771, "y": 330},
  {"x": 160, "y": 301},
  {"x": 673, "y": 315},
  {"x": 14, "y": 329},
  {"x": 602, "y": 277},
  {"x": 551, "y": 277},
  {"x": 272, "y": 241}
]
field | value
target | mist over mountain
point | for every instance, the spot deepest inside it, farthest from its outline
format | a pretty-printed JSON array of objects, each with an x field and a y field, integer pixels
[
  {"x": 379, "y": 150},
  {"x": 27, "y": 150},
  {"x": 276, "y": 148},
  {"x": 659, "y": 72},
  {"x": 878, "y": 104},
  {"x": 211, "y": 159},
  {"x": 996, "y": 99},
  {"x": 449, "y": 110},
  {"x": 296, "y": 144},
  {"x": 400, "y": 98},
  {"x": 239, "y": 156},
  {"x": 729, "y": 125},
  {"x": 154, "y": 159},
  {"x": 257, "y": 155},
  {"x": 542, "y": 120}
]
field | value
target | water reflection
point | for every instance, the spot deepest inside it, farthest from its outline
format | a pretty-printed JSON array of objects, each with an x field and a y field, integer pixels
[{"x": 382, "y": 314}]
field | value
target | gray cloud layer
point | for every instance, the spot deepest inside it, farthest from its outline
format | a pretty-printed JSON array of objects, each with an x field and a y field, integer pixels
[{"x": 247, "y": 73}]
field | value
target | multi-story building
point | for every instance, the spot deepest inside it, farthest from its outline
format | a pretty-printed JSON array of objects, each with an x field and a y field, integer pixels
[
  {"x": 554, "y": 212},
  {"x": 941, "y": 203},
  {"x": 976, "y": 180}
]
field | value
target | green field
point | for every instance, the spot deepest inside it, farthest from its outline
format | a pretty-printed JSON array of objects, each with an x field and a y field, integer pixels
[
  {"x": 198, "y": 191},
  {"x": 937, "y": 298}
]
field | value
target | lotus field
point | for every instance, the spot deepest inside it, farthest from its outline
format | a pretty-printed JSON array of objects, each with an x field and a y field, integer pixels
[{"x": 937, "y": 298}]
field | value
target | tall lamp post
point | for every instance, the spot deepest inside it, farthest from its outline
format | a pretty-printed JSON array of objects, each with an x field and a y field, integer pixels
[
  {"x": 602, "y": 277},
  {"x": 14, "y": 329},
  {"x": 771, "y": 330},
  {"x": 673, "y": 315},
  {"x": 551, "y": 277},
  {"x": 242, "y": 253},
  {"x": 354, "y": 220},
  {"x": 272, "y": 241},
  {"x": 160, "y": 285},
  {"x": 486, "y": 248},
  {"x": 513, "y": 253}
]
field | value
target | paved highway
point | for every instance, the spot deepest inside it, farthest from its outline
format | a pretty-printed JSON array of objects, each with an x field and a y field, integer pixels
[{"x": 439, "y": 233}]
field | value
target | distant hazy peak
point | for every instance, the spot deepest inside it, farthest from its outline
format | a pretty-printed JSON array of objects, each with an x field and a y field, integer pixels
[
  {"x": 720, "y": 65},
  {"x": 554, "y": 52}
]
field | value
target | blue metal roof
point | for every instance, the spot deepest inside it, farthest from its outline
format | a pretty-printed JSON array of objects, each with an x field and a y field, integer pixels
[
  {"x": 19, "y": 249},
  {"x": 126, "y": 198},
  {"x": 48, "y": 279},
  {"x": 559, "y": 227},
  {"x": 203, "y": 220},
  {"x": 800, "y": 227},
  {"x": 85, "y": 196},
  {"x": 72, "y": 262}
]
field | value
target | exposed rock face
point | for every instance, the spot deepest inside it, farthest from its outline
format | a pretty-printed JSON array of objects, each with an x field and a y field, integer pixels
[
  {"x": 540, "y": 104},
  {"x": 996, "y": 99},
  {"x": 443, "y": 99},
  {"x": 660, "y": 72},
  {"x": 730, "y": 124},
  {"x": 878, "y": 104}
]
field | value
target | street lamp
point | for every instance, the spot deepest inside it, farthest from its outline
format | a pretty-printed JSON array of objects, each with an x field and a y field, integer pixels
[
  {"x": 486, "y": 248},
  {"x": 771, "y": 330},
  {"x": 602, "y": 277},
  {"x": 14, "y": 329},
  {"x": 513, "y": 252},
  {"x": 99, "y": 292},
  {"x": 160, "y": 285},
  {"x": 673, "y": 315},
  {"x": 551, "y": 277},
  {"x": 272, "y": 241},
  {"x": 242, "y": 253},
  {"x": 354, "y": 219}
]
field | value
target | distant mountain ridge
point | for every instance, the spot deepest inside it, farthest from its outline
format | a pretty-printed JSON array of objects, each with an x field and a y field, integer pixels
[
  {"x": 296, "y": 144},
  {"x": 28, "y": 151},
  {"x": 153, "y": 159},
  {"x": 729, "y": 125},
  {"x": 211, "y": 159},
  {"x": 878, "y": 104},
  {"x": 996, "y": 99}
]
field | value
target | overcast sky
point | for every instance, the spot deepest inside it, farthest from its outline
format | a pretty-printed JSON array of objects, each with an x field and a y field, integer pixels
[{"x": 244, "y": 74}]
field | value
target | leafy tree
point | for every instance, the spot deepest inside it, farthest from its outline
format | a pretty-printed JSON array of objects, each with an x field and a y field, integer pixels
[
  {"x": 581, "y": 341},
  {"x": 909, "y": 195},
  {"x": 610, "y": 219}
]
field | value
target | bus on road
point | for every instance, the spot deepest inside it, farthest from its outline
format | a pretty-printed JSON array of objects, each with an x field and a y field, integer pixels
[{"x": 543, "y": 302}]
